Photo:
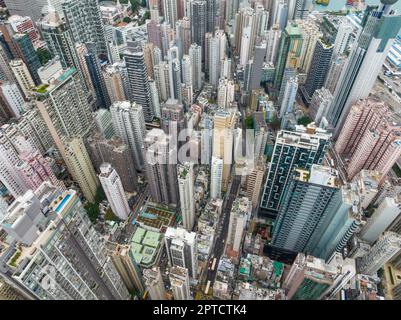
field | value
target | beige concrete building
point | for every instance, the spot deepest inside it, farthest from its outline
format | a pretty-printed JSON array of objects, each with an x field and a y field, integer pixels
[
  {"x": 22, "y": 75},
  {"x": 80, "y": 167}
]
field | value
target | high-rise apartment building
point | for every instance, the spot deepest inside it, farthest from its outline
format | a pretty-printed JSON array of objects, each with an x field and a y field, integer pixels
[
  {"x": 216, "y": 177},
  {"x": 225, "y": 95},
  {"x": 160, "y": 158},
  {"x": 179, "y": 280},
  {"x": 22, "y": 75},
  {"x": 118, "y": 154},
  {"x": 195, "y": 55},
  {"x": 386, "y": 247},
  {"x": 84, "y": 19},
  {"x": 370, "y": 138},
  {"x": 309, "y": 278},
  {"x": 318, "y": 70},
  {"x": 138, "y": 81},
  {"x": 154, "y": 283},
  {"x": 320, "y": 104},
  {"x": 34, "y": 169},
  {"x": 223, "y": 140},
  {"x": 12, "y": 98},
  {"x": 186, "y": 190},
  {"x": 289, "y": 52},
  {"x": 181, "y": 247},
  {"x": 254, "y": 183},
  {"x": 80, "y": 167},
  {"x": 113, "y": 188},
  {"x": 239, "y": 216},
  {"x": 293, "y": 149},
  {"x": 64, "y": 106},
  {"x": 113, "y": 78},
  {"x": 8, "y": 159},
  {"x": 307, "y": 203},
  {"x": 289, "y": 95},
  {"x": 364, "y": 63},
  {"x": 27, "y": 53},
  {"x": 59, "y": 38},
  {"x": 127, "y": 268},
  {"x": 129, "y": 124},
  {"x": 49, "y": 268},
  {"x": 383, "y": 216}
]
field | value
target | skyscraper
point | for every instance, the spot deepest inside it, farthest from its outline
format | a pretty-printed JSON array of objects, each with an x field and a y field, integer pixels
[
  {"x": 387, "y": 247},
  {"x": 129, "y": 125},
  {"x": 159, "y": 154},
  {"x": 299, "y": 149},
  {"x": 199, "y": 23},
  {"x": 364, "y": 63},
  {"x": 289, "y": 52},
  {"x": 308, "y": 278},
  {"x": 96, "y": 75},
  {"x": 216, "y": 178},
  {"x": 223, "y": 141},
  {"x": 181, "y": 247},
  {"x": 59, "y": 39},
  {"x": 154, "y": 283},
  {"x": 195, "y": 55},
  {"x": 179, "y": 280},
  {"x": 114, "y": 191},
  {"x": 138, "y": 81},
  {"x": 84, "y": 19},
  {"x": 370, "y": 139},
  {"x": 80, "y": 167},
  {"x": 307, "y": 201},
  {"x": 27, "y": 53},
  {"x": 318, "y": 70},
  {"x": 186, "y": 190},
  {"x": 225, "y": 95},
  {"x": 22, "y": 75},
  {"x": 54, "y": 255},
  {"x": 118, "y": 154},
  {"x": 239, "y": 216}
]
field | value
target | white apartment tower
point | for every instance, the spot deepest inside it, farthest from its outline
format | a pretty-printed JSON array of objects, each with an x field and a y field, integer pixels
[
  {"x": 129, "y": 125},
  {"x": 185, "y": 176},
  {"x": 114, "y": 191},
  {"x": 179, "y": 280}
]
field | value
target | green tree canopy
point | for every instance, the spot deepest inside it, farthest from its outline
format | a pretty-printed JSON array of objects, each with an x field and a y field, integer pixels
[{"x": 44, "y": 55}]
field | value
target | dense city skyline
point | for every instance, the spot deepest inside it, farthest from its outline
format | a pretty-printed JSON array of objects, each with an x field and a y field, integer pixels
[{"x": 200, "y": 150}]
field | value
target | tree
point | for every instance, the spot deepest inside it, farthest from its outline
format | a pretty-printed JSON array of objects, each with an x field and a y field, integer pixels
[
  {"x": 127, "y": 19},
  {"x": 305, "y": 120},
  {"x": 44, "y": 55},
  {"x": 110, "y": 216},
  {"x": 135, "y": 4},
  {"x": 93, "y": 211},
  {"x": 100, "y": 195}
]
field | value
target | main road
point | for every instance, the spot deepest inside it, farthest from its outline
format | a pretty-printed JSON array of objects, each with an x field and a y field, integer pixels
[{"x": 218, "y": 249}]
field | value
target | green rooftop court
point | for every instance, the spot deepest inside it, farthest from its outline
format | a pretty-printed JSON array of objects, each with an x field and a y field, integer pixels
[
  {"x": 145, "y": 246},
  {"x": 156, "y": 217}
]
